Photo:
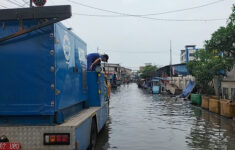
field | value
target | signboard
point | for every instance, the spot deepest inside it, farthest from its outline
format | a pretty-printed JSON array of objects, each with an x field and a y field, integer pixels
[{"x": 39, "y": 3}]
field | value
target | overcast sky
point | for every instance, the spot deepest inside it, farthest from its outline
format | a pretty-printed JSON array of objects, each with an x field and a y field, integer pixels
[{"x": 133, "y": 41}]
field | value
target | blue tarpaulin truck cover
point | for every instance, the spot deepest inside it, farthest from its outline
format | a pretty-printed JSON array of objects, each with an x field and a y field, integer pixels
[{"x": 43, "y": 71}]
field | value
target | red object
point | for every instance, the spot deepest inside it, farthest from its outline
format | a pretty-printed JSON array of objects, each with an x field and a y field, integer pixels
[
  {"x": 39, "y": 3},
  {"x": 9, "y": 146},
  {"x": 58, "y": 138},
  {"x": 65, "y": 138}
]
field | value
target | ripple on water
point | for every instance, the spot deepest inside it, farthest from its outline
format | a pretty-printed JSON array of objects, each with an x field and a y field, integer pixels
[{"x": 142, "y": 121}]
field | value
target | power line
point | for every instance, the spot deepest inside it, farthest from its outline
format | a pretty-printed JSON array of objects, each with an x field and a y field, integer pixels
[
  {"x": 3, "y": 6},
  {"x": 139, "y": 16},
  {"x": 14, "y": 2},
  {"x": 157, "y": 19},
  {"x": 26, "y": 2},
  {"x": 138, "y": 52},
  {"x": 93, "y": 15},
  {"x": 19, "y": 3},
  {"x": 185, "y": 9},
  {"x": 151, "y": 14}
]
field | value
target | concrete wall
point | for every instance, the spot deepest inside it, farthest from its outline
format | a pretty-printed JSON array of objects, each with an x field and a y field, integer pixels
[
  {"x": 227, "y": 88},
  {"x": 181, "y": 82},
  {"x": 228, "y": 85},
  {"x": 230, "y": 75}
]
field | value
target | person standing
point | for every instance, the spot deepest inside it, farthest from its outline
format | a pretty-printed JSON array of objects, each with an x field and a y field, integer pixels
[{"x": 94, "y": 60}]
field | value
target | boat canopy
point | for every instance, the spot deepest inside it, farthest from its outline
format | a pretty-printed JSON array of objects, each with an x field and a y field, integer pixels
[{"x": 160, "y": 78}]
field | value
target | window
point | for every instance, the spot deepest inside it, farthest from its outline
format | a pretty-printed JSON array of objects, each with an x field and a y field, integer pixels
[
  {"x": 225, "y": 93},
  {"x": 191, "y": 54},
  {"x": 233, "y": 94}
]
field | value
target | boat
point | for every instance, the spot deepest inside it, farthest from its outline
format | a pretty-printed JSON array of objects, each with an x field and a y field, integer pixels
[{"x": 156, "y": 86}]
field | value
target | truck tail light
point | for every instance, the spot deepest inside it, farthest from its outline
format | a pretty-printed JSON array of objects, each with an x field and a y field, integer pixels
[
  {"x": 52, "y": 139},
  {"x": 56, "y": 139}
]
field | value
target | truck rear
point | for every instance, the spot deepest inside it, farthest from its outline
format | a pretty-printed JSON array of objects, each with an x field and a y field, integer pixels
[{"x": 48, "y": 99}]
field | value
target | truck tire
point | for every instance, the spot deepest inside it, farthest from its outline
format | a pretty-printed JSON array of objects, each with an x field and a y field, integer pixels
[{"x": 93, "y": 135}]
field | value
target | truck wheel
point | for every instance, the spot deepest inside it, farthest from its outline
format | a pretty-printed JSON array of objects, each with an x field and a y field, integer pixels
[{"x": 93, "y": 135}]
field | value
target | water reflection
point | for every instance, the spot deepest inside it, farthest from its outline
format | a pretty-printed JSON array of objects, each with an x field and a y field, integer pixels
[
  {"x": 142, "y": 121},
  {"x": 103, "y": 140},
  {"x": 210, "y": 131}
]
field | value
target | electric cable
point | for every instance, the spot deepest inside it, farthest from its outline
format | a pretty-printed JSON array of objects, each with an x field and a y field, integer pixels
[
  {"x": 158, "y": 19},
  {"x": 25, "y": 2},
  {"x": 184, "y": 9},
  {"x": 15, "y": 3},
  {"x": 138, "y": 52},
  {"x": 3, "y": 6},
  {"x": 152, "y": 14},
  {"x": 140, "y": 16}
]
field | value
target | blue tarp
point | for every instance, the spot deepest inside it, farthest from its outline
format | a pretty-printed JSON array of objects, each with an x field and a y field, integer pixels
[
  {"x": 180, "y": 70},
  {"x": 155, "y": 80},
  {"x": 30, "y": 75},
  {"x": 160, "y": 78},
  {"x": 156, "y": 89},
  {"x": 188, "y": 89}
]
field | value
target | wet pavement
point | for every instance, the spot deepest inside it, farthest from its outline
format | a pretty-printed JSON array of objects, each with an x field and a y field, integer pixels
[{"x": 142, "y": 121}]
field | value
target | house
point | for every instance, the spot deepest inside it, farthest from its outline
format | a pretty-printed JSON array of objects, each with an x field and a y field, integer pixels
[
  {"x": 228, "y": 85},
  {"x": 111, "y": 69},
  {"x": 122, "y": 73},
  {"x": 177, "y": 74},
  {"x": 187, "y": 54}
]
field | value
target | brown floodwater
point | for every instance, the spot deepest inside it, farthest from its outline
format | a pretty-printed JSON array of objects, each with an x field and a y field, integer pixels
[{"x": 142, "y": 121}]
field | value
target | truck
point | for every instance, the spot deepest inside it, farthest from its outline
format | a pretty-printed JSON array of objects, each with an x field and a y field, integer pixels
[{"x": 48, "y": 99}]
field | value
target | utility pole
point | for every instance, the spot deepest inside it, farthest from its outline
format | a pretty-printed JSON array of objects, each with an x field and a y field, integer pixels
[
  {"x": 31, "y": 3},
  {"x": 98, "y": 49},
  {"x": 170, "y": 60}
]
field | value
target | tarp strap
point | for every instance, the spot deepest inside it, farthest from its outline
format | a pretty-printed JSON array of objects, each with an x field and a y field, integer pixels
[{"x": 24, "y": 31}]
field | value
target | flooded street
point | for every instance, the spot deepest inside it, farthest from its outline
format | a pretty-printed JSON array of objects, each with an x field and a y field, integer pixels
[{"x": 142, "y": 121}]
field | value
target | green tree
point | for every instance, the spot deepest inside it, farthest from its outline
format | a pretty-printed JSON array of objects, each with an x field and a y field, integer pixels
[
  {"x": 210, "y": 61},
  {"x": 224, "y": 40},
  {"x": 148, "y": 72},
  {"x": 209, "y": 65}
]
